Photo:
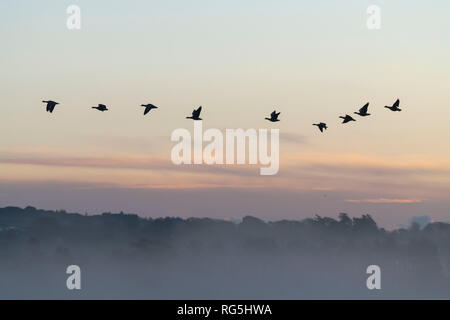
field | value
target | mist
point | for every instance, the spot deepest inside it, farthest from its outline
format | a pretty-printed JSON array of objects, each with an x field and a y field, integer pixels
[{"x": 124, "y": 256}]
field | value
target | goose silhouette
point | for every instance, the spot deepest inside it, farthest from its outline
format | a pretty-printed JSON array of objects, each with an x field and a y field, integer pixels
[
  {"x": 148, "y": 108},
  {"x": 273, "y": 116},
  {"x": 395, "y": 106},
  {"x": 50, "y": 105},
  {"x": 322, "y": 126},
  {"x": 101, "y": 107},
  {"x": 196, "y": 114},
  {"x": 347, "y": 118},
  {"x": 363, "y": 111}
]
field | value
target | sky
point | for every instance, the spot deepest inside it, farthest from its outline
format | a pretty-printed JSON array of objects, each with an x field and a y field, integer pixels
[{"x": 312, "y": 60}]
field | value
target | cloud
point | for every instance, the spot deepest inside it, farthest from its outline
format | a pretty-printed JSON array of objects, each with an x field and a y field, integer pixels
[
  {"x": 321, "y": 188},
  {"x": 293, "y": 138},
  {"x": 385, "y": 200},
  {"x": 409, "y": 162},
  {"x": 118, "y": 163},
  {"x": 405, "y": 178},
  {"x": 156, "y": 164}
]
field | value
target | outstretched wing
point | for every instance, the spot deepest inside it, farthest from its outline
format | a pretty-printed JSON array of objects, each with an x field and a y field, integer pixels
[
  {"x": 274, "y": 115},
  {"x": 364, "y": 109},
  {"x": 347, "y": 118},
  {"x": 147, "y": 110},
  {"x": 50, "y": 106},
  {"x": 196, "y": 113},
  {"x": 397, "y": 103},
  {"x": 102, "y": 106}
]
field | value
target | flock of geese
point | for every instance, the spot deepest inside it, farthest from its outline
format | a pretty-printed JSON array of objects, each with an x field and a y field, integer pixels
[{"x": 363, "y": 112}]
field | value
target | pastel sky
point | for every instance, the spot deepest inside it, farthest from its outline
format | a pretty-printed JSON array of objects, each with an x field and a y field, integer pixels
[{"x": 311, "y": 60}]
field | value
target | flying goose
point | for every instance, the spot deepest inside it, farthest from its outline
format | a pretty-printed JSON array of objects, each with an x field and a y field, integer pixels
[
  {"x": 196, "y": 114},
  {"x": 322, "y": 126},
  {"x": 273, "y": 116},
  {"x": 395, "y": 106},
  {"x": 347, "y": 118},
  {"x": 148, "y": 108},
  {"x": 50, "y": 105},
  {"x": 101, "y": 107},
  {"x": 363, "y": 111}
]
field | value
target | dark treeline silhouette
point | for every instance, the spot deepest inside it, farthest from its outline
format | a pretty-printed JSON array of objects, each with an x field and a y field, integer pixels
[{"x": 126, "y": 256}]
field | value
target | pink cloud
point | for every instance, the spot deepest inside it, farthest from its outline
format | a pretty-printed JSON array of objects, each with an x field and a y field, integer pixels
[{"x": 385, "y": 200}]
